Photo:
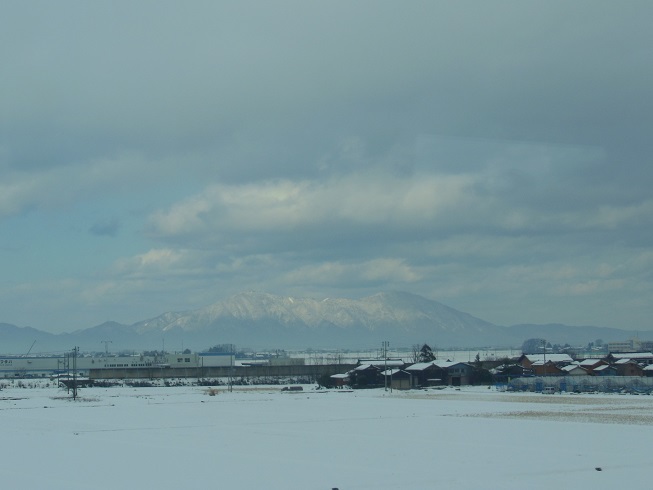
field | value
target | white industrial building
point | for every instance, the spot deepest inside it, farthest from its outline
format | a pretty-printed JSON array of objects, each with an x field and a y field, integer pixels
[{"x": 43, "y": 366}]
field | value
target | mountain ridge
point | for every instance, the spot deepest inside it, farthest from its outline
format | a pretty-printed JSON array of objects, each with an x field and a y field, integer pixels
[{"x": 263, "y": 320}]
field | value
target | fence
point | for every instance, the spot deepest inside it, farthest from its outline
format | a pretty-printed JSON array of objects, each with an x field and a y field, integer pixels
[
  {"x": 240, "y": 372},
  {"x": 583, "y": 384}
]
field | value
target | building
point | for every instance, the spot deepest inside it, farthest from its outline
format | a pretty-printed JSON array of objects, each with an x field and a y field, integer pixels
[
  {"x": 639, "y": 357},
  {"x": 215, "y": 359},
  {"x": 457, "y": 373},
  {"x": 605, "y": 370},
  {"x": 548, "y": 368},
  {"x": 592, "y": 364},
  {"x": 45, "y": 366},
  {"x": 620, "y": 346},
  {"x": 559, "y": 360},
  {"x": 427, "y": 374},
  {"x": 340, "y": 380},
  {"x": 398, "y": 379},
  {"x": 575, "y": 370},
  {"x": 627, "y": 367}
]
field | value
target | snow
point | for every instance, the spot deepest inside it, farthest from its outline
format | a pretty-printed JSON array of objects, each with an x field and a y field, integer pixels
[
  {"x": 533, "y": 358},
  {"x": 420, "y": 366},
  {"x": 632, "y": 355},
  {"x": 262, "y": 438}
]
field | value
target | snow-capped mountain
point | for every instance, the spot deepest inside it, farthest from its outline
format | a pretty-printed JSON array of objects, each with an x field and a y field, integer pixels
[
  {"x": 264, "y": 319},
  {"x": 267, "y": 321}
]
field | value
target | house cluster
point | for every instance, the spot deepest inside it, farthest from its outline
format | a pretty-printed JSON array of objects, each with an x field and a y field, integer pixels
[
  {"x": 396, "y": 374},
  {"x": 614, "y": 364}
]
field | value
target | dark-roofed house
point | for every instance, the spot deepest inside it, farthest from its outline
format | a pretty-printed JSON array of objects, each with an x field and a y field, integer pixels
[
  {"x": 340, "y": 380},
  {"x": 639, "y": 357},
  {"x": 368, "y": 372},
  {"x": 527, "y": 360},
  {"x": 458, "y": 373},
  {"x": 427, "y": 374},
  {"x": 626, "y": 367},
  {"x": 548, "y": 368},
  {"x": 506, "y": 372},
  {"x": 365, "y": 376},
  {"x": 591, "y": 364},
  {"x": 575, "y": 370},
  {"x": 398, "y": 379},
  {"x": 605, "y": 370}
]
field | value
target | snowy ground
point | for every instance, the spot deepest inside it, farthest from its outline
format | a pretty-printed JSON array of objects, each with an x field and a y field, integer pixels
[{"x": 261, "y": 438}]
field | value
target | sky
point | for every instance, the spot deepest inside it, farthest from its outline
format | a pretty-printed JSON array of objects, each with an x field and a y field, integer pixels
[{"x": 160, "y": 156}]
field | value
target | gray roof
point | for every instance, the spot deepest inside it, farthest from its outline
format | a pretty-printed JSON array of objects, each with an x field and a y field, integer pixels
[
  {"x": 549, "y": 357},
  {"x": 420, "y": 366},
  {"x": 632, "y": 355}
]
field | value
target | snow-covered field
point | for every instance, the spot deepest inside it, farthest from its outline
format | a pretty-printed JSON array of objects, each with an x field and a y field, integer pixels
[{"x": 262, "y": 438}]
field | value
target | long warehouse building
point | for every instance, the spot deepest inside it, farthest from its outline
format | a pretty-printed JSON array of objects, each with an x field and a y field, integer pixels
[{"x": 44, "y": 366}]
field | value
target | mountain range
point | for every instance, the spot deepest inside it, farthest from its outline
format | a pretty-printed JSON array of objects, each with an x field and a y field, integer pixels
[{"x": 265, "y": 321}]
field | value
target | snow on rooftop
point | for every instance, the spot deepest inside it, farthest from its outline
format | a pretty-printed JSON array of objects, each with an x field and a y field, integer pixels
[
  {"x": 390, "y": 372},
  {"x": 602, "y": 367},
  {"x": 571, "y": 367},
  {"x": 632, "y": 355},
  {"x": 589, "y": 362},
  {"x": 446, "y": 364},
  {"x": 420, "y": 366},
  {"x": 549, "y": 357}
]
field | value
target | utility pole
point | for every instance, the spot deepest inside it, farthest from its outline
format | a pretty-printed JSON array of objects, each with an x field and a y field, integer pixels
[
  {"x": 385, "y": 344},
  {"x": 232, "y": 354},
  {"x": 75, "y": 351},
  {"x": 67, "y": 366},
  {"x": 544, "y": 359}
]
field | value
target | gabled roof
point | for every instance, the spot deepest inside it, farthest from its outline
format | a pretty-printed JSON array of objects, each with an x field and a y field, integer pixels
[
  {"x": 548, "y": 363},
  {"x": 447, "y": 364},
  {"x": 632, "y": 355},
  {"x": 362, "y": 367},
  {"x": 590, "y": 362},
  {"x": 624, "y": 361},
  {"x": 421, "y": 366},
  {"x": 603, "y": 367},
  {"x": 392, "y": 372},
  {"x": 573, "y": 367}
]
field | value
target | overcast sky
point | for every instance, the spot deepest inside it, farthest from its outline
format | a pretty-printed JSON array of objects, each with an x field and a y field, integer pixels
[{"x": 493, "y": 155}]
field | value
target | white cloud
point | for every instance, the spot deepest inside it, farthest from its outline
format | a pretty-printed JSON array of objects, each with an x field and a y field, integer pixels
[
  {"x": 338, "y": 148},
  {"x": 282, "y": 205},
  {"x": 371, "y": 272},
  {"x": 65, "y": 185},
  {"x": 161, "y": 262}
]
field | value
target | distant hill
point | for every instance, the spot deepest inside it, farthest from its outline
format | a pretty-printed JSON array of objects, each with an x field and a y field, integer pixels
[
  {"x": 266, "y": 321},
  {"x": 19, "y": 340}
]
